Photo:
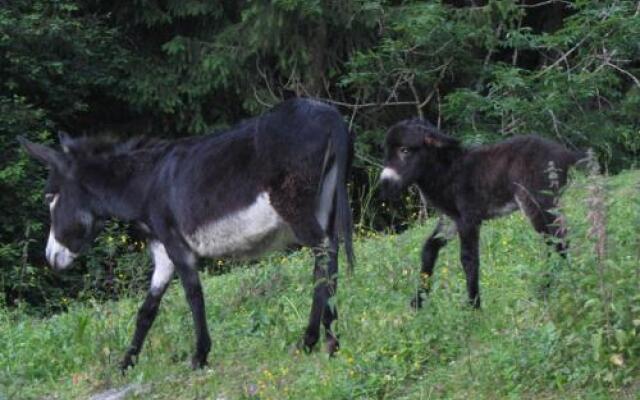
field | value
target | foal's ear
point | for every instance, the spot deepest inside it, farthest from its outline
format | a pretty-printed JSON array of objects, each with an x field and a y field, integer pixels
[
  {"x": 440, "y": 140},
  {"x": 44, "y": 154},
  {"x": 431, "y": 135}
]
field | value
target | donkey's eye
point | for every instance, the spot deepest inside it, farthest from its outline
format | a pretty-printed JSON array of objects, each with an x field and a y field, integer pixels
[
  {"x": 48, "y": 197},
  {"x": 405, "y": 150}
]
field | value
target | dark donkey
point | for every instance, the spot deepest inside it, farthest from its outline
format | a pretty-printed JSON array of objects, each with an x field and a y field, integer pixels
[
  {"x": 272, "y": 181},
  {"x": 475, "y": 184}
]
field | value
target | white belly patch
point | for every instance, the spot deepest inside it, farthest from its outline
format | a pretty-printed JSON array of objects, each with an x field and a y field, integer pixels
[{"x": 245, "y": 233}]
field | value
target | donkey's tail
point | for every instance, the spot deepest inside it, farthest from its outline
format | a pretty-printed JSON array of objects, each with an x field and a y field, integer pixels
[{"x": 343, "y": 149}]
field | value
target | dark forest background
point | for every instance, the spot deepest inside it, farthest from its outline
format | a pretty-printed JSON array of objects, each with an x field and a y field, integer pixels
[{"x": 481, "y": 70}]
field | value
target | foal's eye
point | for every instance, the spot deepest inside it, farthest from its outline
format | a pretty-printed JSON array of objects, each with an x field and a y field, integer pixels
[{"x": 405, "y": 150}]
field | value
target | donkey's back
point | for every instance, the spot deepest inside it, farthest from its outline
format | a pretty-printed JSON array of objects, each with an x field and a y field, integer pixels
[{"x": 525, "y": 155}]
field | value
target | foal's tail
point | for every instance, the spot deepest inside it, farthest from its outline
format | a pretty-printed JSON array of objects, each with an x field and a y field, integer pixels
[
  {"x": 342, "y": 143},
  {"x": 585, "y": 160}
]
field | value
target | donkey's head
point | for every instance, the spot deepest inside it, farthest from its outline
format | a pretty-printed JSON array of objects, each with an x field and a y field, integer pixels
[
  {"x": 73, "y": 220},
  {"x": 411, "y": 147}
]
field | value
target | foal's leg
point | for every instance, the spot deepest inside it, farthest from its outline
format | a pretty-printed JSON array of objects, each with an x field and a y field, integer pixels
[
  {"x": 162, "y": 274},
  {"x": 442, "y": 233},
  {"x": 469, "y": 254},
  {"x": 549, "y": 224}
]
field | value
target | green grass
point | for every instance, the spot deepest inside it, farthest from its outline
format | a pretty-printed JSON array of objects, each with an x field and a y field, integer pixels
[{"x": 578, "y": 338}]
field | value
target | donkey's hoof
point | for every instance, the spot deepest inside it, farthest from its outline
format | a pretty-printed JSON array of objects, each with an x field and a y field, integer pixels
[
  {"x": 333, "y": 345},
  {"x": 416, "y": 301},
  {"x": 198, "y": 361},
  {"x": 126, "y": 363},
  {"x": 308, "y": 342},
  {"x": 475, "y": 302}
]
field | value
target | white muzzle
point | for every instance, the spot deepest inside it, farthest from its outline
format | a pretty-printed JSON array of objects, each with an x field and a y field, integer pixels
[
  {"x": 58, "y": 256},
  {"x": 390, "y": 174}
]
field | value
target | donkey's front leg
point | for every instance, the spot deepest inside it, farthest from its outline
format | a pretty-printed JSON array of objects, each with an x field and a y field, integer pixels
[
  {"x": 442, "y": 233},
  {"x": 185, "y": 264},
  {"x": 162, "y": 274},
  {"x": 193, "y": 292},
  {"x": 469, "y": 255}
]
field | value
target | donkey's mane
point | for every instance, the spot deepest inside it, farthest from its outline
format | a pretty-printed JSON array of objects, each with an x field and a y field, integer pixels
[
  {"x": 420, "y": 121},
  {"x": 113, "y": 146},
  {"x": 106, "y": 146}
]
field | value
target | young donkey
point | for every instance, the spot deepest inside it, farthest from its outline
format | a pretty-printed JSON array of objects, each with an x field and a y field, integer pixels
[
  {"x": 269, "y": 182},
  {"x": 476, "y": 184}
]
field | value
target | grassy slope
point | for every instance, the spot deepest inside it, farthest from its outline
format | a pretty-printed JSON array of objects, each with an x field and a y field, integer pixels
[{"x": 513, "y": 348}]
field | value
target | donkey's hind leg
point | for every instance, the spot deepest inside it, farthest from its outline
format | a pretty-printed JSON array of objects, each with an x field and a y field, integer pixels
[
  {"x": 309, "y": 232},
  {"x": 549, "y": 224},
  {"x": 162, "y": 274},
  {"x": 330, "y": 313},
  {"x": 296, "y": 202}
]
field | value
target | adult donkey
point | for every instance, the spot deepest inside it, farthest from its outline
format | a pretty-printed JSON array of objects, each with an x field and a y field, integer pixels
[
  {"x": 470, "y": 185},
  {"x": 272, "y": 181}
]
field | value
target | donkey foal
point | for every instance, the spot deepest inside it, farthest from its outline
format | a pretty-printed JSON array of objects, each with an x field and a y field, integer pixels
[{"x": 475, "y": 184}]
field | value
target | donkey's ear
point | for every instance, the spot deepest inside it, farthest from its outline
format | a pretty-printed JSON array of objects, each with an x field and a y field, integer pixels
[
  {"x": 440, "y": 140},
  {"x": 44, "y": 154},
  {"x": 66, "y": 142}
]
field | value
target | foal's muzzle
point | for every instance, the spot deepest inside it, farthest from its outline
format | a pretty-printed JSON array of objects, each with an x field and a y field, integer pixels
[{"x": 390, "y": 184}]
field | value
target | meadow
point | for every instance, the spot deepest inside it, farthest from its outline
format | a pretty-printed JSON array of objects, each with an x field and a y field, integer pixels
[{"x": 549, "y": 328}]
